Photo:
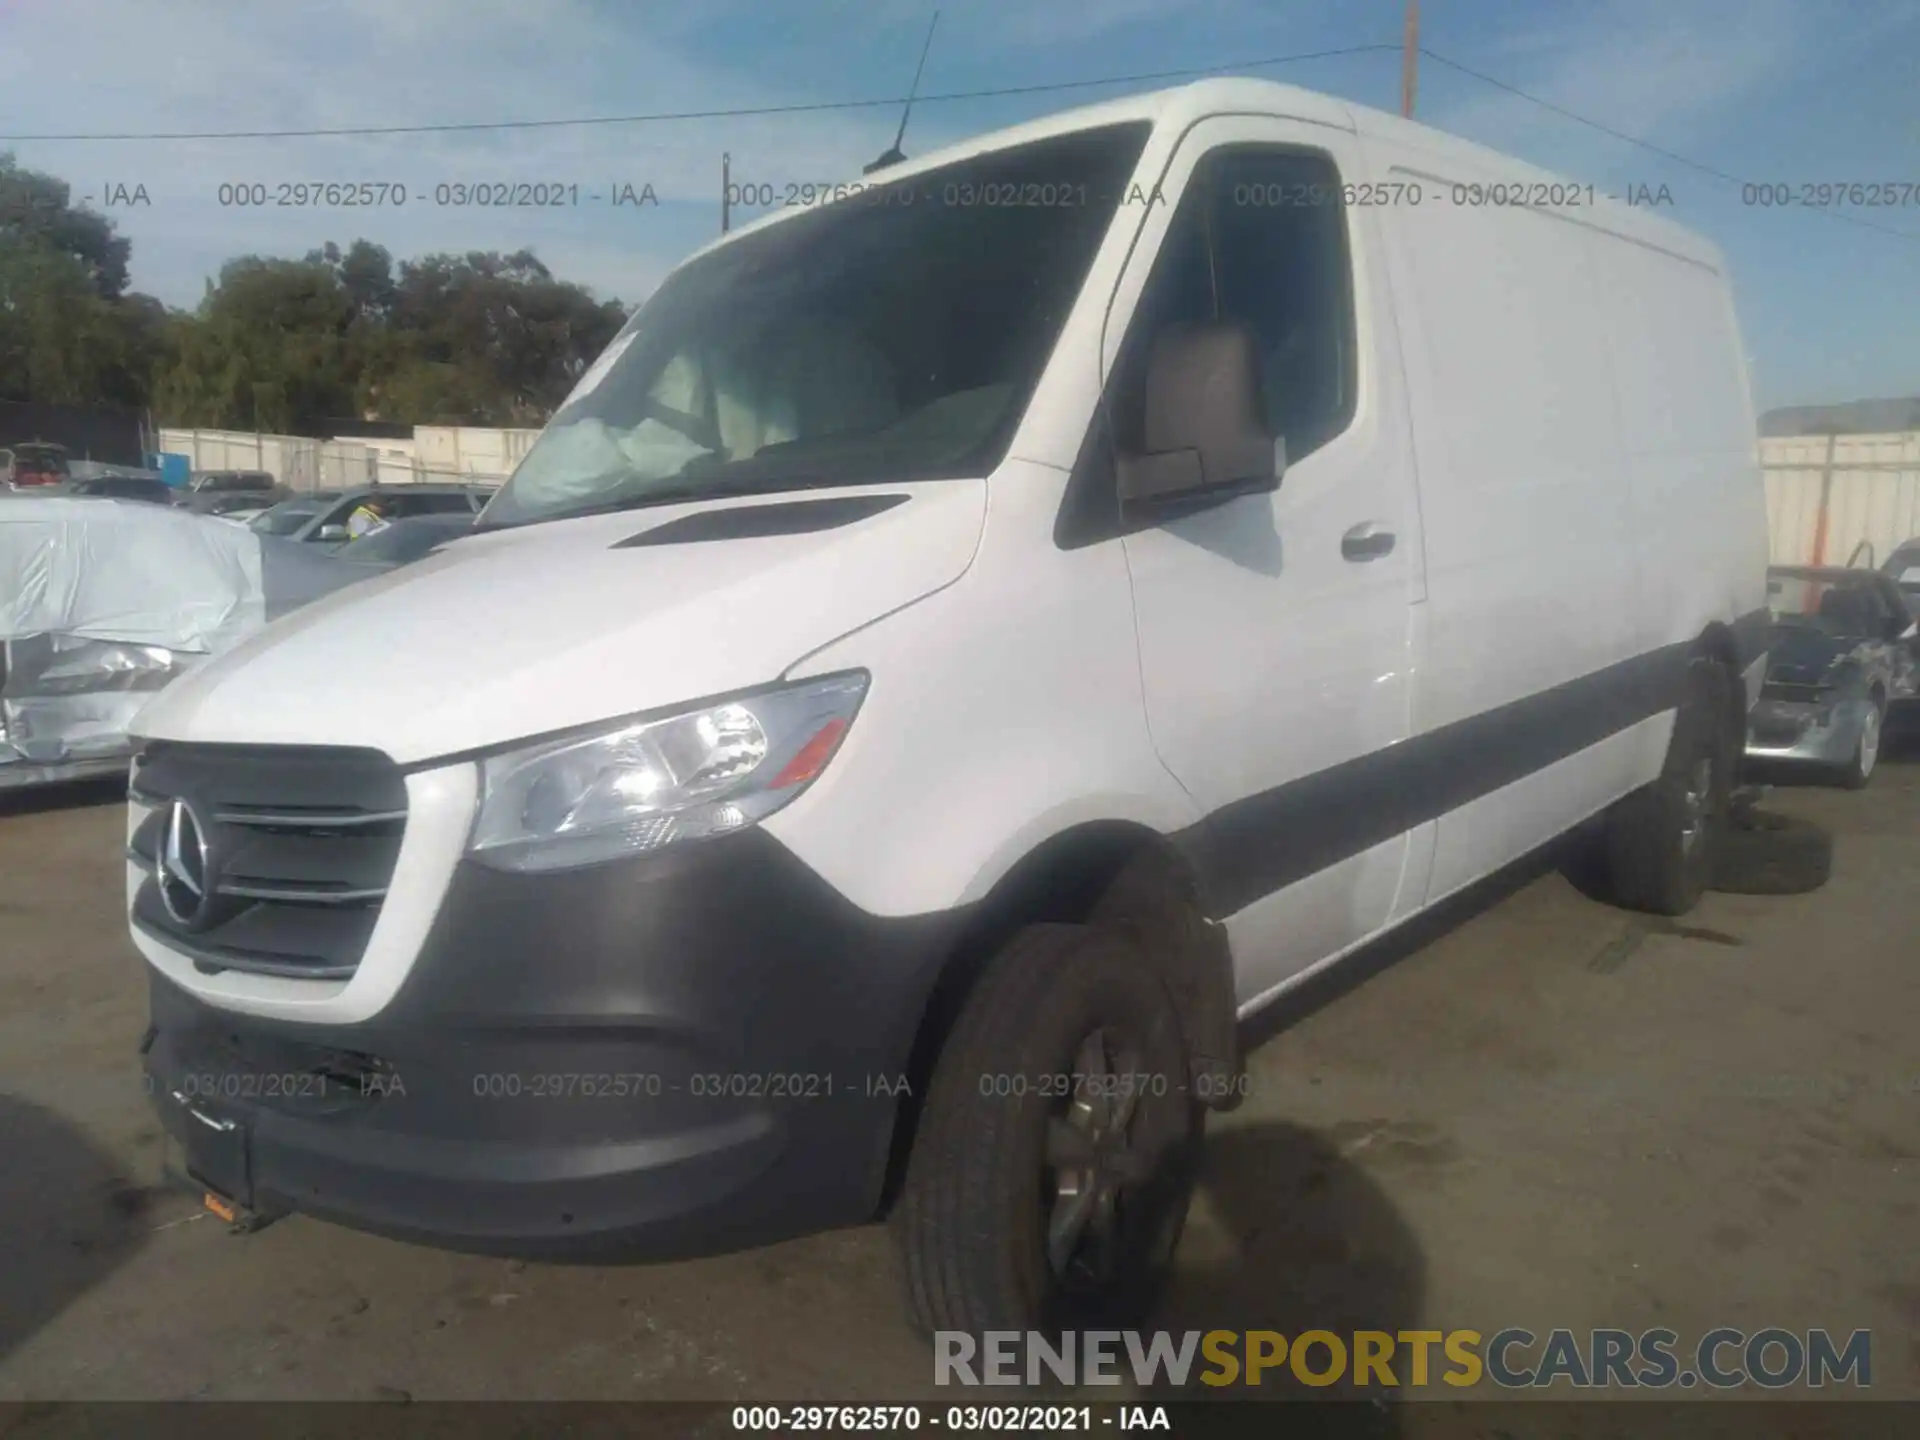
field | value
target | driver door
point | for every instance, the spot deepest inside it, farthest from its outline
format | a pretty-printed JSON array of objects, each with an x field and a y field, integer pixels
[{"x": 1275, "y": 629}]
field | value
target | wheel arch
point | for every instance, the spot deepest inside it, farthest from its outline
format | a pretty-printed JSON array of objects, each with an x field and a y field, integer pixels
[
  {"x": 1106, "y": 872},
  {"x": 1718, "y": 643}
]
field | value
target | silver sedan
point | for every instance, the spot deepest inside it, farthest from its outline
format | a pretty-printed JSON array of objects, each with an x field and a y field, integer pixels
[{"x": 1842, "y": 653}]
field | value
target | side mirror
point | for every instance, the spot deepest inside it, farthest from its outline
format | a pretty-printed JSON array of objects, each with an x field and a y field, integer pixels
[
  {"x": 1205, "y": 436},
  {"x": 328, "y": 534}
]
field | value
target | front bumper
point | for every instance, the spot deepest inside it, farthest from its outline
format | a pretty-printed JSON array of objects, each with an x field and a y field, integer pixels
[
  {"x": 687, "y": 1053},
  {"x": 1806, "y": 733}
]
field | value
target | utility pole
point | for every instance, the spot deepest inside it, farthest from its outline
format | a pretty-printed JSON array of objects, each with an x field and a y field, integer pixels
[
  {"x": 1410, "y": 59},
  {"x": 726, "y": 191}
]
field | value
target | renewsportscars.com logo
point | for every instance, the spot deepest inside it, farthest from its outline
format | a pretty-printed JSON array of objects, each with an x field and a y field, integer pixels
[{"x": 1722, "y": 1359}]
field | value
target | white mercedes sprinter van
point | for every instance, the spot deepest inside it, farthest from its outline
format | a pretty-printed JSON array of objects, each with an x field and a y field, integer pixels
[{"x": 961, "y": 649}]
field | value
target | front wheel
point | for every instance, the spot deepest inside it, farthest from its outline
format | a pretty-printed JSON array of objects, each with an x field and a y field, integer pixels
[
  {"x": 1858, "y": 772},
  {"x": 1050, "y": 1177}
]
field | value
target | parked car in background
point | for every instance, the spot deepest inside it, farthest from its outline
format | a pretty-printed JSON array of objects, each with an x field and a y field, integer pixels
[
  {"x": 220, "y": 492},
  {"x": 1903, "y": 568},
  {"x": 402, "y": 541},
  {"x": 35, "y": 463},
  {"x": 101, "y": 605},
  {"x": 1842, "y": 653},
  {"x": 151, "y": 489},
  {"x": 322, "y": 519},
  {"x": 290, "y": 518}
]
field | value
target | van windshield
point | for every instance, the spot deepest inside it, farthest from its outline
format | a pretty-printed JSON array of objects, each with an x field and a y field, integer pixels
[{"x": 893, "y": 335}]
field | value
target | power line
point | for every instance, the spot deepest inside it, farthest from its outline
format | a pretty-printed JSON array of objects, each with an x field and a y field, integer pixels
[
  {"x": 1581, "y": 119},
  {"x": 729, "y": 113},
  {"x": 997, "y": 92},
  {"x": 1649, "y": 146}
]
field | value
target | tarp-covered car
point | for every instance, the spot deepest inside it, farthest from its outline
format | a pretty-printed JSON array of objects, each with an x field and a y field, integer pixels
[{"x": 103, "y": 603}]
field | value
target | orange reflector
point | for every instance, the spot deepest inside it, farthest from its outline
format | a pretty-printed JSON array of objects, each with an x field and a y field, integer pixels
[
  {"x": 812, "y": 757},
  {"x": 218, "y": 1206}
]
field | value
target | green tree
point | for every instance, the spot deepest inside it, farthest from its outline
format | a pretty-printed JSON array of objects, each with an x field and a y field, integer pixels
[
  {"x": 518, "y": 337},
  {"x": 70, "y": 333},
  {"x": 482, "y": 338},
  {"x": 271, "y": 349},
  {"x": 37, "y": 210}
]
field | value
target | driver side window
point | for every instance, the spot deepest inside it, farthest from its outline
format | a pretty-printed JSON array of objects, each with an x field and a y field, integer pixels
[
  {"x": 336, "y": 516},
  {"x": 1261, "y": 238}
]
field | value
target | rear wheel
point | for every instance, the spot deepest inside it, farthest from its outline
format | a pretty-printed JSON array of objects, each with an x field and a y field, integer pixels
[
  {"x": 1660, "y": 840},
  {"x": 1050, "y": 1177}
]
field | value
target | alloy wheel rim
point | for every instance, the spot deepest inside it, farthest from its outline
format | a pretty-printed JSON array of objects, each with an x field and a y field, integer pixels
[
  {"x": 1869, "y": 743},
  {"x": 1696, "y": 803},
  {"x": 1093, "y": 1160}
]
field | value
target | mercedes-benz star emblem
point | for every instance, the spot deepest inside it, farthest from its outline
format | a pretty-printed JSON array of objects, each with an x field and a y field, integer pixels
[{"x": 184, "y": 870}]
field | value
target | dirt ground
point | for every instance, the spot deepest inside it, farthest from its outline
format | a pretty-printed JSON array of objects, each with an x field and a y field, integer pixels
[{"x": 1534, "y": 1111}]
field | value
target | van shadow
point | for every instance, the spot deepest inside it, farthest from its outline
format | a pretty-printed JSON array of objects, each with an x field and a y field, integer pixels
[
  {"x": 68, "y": 1218},
  {"x": 1313, "y": 1243},
  {"x": 1242, "y": 534}
]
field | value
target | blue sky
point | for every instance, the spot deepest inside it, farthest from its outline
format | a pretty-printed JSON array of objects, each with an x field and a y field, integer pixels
[{"x": 1769, "y": 90}]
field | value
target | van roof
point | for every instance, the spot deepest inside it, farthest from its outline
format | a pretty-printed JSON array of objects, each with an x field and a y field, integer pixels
[{"x": 1179, "y": 106}]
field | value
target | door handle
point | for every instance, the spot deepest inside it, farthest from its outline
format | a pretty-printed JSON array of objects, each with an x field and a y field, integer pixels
[{"x": 1368, "y": 540}]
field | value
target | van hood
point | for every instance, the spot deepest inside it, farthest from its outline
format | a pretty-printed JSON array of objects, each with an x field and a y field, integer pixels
[{"x": 520, "y": 632}]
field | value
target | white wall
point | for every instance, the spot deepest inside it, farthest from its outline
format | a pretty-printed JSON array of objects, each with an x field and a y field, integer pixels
[
  {"x": 1873, "y": 494},
  {"x": 436, "y": 452},
  {"x": 471, "y": 450}
]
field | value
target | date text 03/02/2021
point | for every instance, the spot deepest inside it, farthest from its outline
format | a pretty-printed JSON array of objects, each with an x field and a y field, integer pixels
[
  {"x": 445, "y": 194},
  {"x": 1007, "y": 1419}
]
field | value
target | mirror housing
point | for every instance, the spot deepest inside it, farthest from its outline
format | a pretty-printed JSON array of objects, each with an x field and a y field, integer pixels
[
  {"x": 327, "y": 534},
  {"x": 1205, "y": 432}
]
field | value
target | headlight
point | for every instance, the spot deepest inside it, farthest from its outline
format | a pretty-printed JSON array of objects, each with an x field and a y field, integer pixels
[{"x": 642, "y": 785}]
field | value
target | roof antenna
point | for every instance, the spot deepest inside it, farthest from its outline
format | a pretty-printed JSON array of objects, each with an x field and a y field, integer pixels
[{"x": 892, "y": 154}]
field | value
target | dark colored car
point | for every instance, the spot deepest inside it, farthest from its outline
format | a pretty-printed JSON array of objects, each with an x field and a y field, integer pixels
[
  {"x": 1842, "y": 652},
  {"x": 119, "y": 487},
  {"x": 322, "y": 519},
  {"x": 291, "y": 519},
  {"x": 1903, "y": 568},
  {"x": 218, "y": 492},
  {"x": 401, "y": 542},
  {"x": 36, "y": 463}
]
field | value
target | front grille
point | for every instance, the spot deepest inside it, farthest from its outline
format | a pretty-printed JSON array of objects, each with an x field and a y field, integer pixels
[{"x": 300, "y": 848}]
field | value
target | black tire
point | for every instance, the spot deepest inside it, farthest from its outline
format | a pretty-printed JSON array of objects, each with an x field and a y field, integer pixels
[
  {"x": 1858, "y": 772},
  {"x": 972, "y": 1226},
  {"x": 1660, "y": 841},
  {"x": 1762, "y": 853}
]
